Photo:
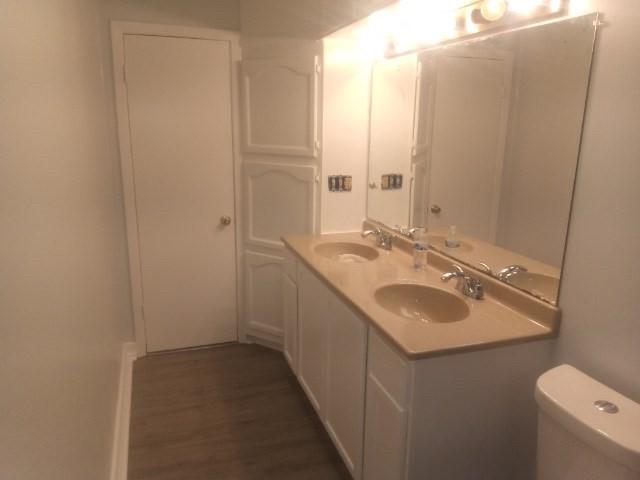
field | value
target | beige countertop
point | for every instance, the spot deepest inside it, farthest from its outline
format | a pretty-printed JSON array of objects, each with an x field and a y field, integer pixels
[{"x": 491, "y": 322}]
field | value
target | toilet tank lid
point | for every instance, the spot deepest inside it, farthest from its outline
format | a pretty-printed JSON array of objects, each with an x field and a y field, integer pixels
[{"x": 568, "y": 396}]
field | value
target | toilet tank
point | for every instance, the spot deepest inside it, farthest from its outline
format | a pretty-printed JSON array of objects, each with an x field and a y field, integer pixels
[{"x": 586, "y": 431}]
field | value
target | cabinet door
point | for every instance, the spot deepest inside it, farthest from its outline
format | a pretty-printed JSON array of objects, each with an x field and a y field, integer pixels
[
  {"x": 313, "y": 298},
  {"x": 290, "y": 311},
  {"x": 346, "y": 383},
  {"x": 386, "y": 432},
  {"x": 280, "y": 108},
  {"x": 263, "y": 296},
  {"x": 279, "y": 200}
]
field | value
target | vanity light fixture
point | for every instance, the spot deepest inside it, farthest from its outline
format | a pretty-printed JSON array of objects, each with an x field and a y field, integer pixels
[
  {"x": 411, "y": 25},
  {"x": 489, "y": 11}
]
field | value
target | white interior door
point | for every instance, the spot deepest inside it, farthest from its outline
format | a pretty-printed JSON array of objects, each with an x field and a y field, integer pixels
[
  {"x": 179, "y": 103},
  {"x": 469, "y": 127}
]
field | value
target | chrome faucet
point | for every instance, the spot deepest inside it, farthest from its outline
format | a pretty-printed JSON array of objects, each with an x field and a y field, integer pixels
[
  {"x": 409, "y": 232},
  {"x": 384, "y": 240},
  {"x": 469, "y": 286},
  {"x": 509, "y": 271}
]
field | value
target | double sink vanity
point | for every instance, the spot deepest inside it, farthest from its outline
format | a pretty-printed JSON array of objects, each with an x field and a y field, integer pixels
[
  {"x": 430, "y": 373},
  {"x": 407, "y": 373}
]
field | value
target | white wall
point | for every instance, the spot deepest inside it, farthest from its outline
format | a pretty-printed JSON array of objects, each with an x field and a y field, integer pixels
[
  {"x": 223, "y": 14},
  {"x": 345, "y": 130},
  {"x": 600, "y": 330},
  {"x": 302, "y": 18},
  {"x": 63, "y": 282}
]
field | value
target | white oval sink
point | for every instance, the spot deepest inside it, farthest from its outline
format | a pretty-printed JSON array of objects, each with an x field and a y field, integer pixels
[
  {"x": 537, "y": 283},
  {"x": 421, "y": 302},
  {"x": 346, "y": 252}
]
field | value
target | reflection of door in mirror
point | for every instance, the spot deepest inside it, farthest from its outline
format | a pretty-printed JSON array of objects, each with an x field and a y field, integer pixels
[
  {"x": 463, "y": 100},
  {"x": 391, "y": 135}
]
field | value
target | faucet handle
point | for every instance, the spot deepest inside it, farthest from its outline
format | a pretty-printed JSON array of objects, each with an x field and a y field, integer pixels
[
  {"x": 409, "y": 232},
  {"x": 486, "y": 268},
  {"x": 510, "y": 271},
  {"x": 457, "y": 268},
  {"x": 375, "y": 231},
  {"x": 469, "y": 286}
]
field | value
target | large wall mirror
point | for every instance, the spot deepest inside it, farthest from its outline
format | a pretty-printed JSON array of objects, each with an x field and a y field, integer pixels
[{"x": 484, "y": 136}]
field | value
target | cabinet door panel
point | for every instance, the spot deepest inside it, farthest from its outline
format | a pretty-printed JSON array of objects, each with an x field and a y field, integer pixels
[
  {"x": 313, "y": 298},
  {"x": 290, "y": 310},
  {"x": 263, "y": 294},
  {"x": 279, "y": 200},
  {"x": 280, "y": 108},
  {"x": 346, "y": 383},
  {"x": 386, "y": 432}
]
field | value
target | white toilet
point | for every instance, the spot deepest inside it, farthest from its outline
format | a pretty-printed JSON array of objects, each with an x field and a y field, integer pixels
[{"x": 586, "y": 431}]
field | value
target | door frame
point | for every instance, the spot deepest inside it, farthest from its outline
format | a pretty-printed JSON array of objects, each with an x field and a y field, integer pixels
[{"x": 118, "y": 31}]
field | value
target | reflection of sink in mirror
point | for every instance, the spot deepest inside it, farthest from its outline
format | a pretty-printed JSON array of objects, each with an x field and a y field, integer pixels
[
  {"x": 537, "y": 283},
  {"x": 420, "y": 302},
  {"x": 346, "y": 252},
  {"x": 438, "y": 242},
  {"x": 474, "y": 115}
]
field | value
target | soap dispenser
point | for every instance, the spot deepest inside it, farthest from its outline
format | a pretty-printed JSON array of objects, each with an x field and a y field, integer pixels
[{"x": 452, "y": 240}]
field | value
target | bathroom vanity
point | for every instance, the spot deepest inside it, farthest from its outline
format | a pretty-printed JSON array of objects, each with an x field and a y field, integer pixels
[
  {"x": 414, "y": 377},
  {"x": 407, "y": 374}
]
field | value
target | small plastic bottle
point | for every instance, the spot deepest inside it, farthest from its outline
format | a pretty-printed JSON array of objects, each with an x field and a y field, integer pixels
[
  {"x": 452, "y": 240},
  {"x": 420, "y": 248}
]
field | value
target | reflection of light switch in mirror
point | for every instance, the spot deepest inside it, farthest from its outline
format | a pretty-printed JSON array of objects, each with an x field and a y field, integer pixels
[{"x": 391, "y": 181}]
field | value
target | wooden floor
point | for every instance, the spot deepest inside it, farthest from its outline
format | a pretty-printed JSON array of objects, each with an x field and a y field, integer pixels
[{"x": 231, "y": 412}]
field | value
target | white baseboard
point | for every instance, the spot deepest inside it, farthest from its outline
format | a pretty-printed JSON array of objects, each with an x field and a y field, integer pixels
[
  {"x": 120, "y": 452},
  {"x": 265, "y": 341}
]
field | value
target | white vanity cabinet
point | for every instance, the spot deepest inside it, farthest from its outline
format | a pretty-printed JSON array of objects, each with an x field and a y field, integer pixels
[
  {"x": 386, "y": 416},
  {"x": 313, "y": 331},
  {"x": 290, "y": 320},
  {"x": 332, "y": 357},
  {"x": 346, "y": 372},
  {"x": 452, "y": 417},
  {"x": 290, "y": 310}
]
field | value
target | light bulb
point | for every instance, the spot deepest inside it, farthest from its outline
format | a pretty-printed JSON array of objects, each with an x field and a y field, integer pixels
[{"x": 493, "y": 10}]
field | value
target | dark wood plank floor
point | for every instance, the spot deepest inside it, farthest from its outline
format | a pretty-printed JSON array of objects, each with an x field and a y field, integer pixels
[{"x": 231, "y": 412}]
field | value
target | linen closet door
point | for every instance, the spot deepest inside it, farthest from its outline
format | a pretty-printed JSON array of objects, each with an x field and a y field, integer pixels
[{"x": 179, "y": 101}]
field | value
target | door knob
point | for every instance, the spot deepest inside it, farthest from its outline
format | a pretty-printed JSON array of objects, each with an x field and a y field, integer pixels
[
  {"x": 225, "y": 220},
  {"x": 435, "y": 209}
]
